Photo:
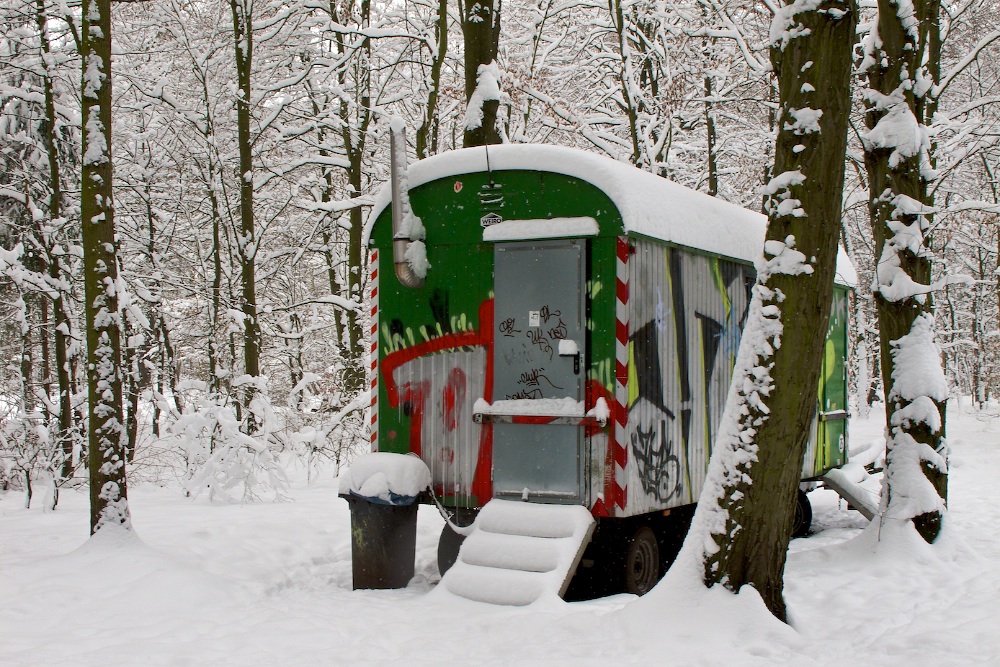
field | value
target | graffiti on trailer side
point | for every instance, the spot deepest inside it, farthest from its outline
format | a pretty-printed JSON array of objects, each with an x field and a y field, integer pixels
[
  {"x": 659, "y": 467},
  {"x": 432, "y": 376},
  {"x": 433, "y": 383},
  {"x": 686, "y": 327},
  {"x": 397, "y": 337}
]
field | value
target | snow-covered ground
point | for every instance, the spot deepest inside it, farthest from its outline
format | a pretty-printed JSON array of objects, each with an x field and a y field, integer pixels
[{"x": 270, "y": 584}]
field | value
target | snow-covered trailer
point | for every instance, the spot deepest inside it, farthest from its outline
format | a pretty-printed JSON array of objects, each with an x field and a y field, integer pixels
[{"x": 572, "y": 340}]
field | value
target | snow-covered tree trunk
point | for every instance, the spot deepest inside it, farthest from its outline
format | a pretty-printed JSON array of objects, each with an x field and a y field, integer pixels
[
  {"x": 745, "y": 514},
  {"x": 481, "y": 31},
  {"x": 108, "y": 498},
  {"x": 901, "y": 56}
]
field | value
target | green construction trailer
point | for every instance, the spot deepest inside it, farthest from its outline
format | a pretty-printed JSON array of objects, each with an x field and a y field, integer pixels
[{"x": 556, "y": 327}]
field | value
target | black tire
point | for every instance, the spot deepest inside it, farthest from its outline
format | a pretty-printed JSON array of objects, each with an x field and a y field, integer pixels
[
  {"x": 803, "y": 515},
  {"x": 642, "y": 561},
  {"x": 448, "y": 547}
]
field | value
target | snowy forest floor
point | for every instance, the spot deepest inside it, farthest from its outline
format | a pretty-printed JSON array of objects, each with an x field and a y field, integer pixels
[{"x": 270, "y": 584}]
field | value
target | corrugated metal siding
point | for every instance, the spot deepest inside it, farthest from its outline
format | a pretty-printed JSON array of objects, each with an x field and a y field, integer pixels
[
  {"x": 686, "y": 316},
  {"x": 438, "y": 391}
]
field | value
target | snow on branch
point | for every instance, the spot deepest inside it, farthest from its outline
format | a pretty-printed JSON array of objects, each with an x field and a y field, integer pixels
[
  {"x": 912, "y": 493},
  {"x": 898, "y": 129},
  {"x": 895, "y": 284},
  {"x": 785, "y": 27},
  {"x": 891, "y": 280},
  {"x": 806, "y": 121},
  {"x": 969, "y": 58},
  {"x": 780, "y": 202},
  {"x": 326, "y": 299},
  {"x": 338, "y": 206},
  {"x": 975, "y": 205},
  {"x": 610, "y": 144},
  {"x": 784, "y": 259},
  {"x": 12, "y": 267}
]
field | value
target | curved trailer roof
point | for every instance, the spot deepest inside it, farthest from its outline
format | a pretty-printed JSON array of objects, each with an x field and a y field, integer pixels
[{"x": 648, "y": 204}]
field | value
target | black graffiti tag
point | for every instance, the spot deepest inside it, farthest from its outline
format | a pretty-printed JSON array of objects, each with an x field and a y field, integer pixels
[
  {"x": 534, "y": 394},
  {"x": 538, "y": 339},
  {"x": 507, "y": 327},
  {"x": 534, "y": 378},
  {"x": 658, "y": 468},
  {"x": 558, "y": 330}
]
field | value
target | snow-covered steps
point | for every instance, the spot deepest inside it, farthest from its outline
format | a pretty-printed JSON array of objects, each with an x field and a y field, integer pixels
[
  {"x": 518, "y": 551},
  {"x": 853, "y": 483}
]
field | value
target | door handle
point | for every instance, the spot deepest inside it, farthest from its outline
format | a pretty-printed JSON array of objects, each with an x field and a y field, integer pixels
[{"x": 569, "y": 348}]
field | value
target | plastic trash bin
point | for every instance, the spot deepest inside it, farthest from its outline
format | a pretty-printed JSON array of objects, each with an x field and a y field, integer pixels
[{"x": 383, "y": 540}]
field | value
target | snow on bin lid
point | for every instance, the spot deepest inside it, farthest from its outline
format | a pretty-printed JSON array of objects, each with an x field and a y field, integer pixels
[
  {"x": 649, "y": 205},
  {"x": 386, "y": 477}
]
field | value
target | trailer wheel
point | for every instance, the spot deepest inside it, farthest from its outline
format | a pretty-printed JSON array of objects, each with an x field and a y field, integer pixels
[
  {"x": 803, "y": 515},
  {"x": 642, "y": 562}
]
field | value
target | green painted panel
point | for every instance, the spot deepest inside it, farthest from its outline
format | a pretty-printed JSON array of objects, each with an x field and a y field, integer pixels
[
  {"x": 451, "y": 210},
  {"x": 828, "y": 440},
  {"x": 433, "y": 341},
  {"x": 601, "y": 320},
  {"x": 445, "y": 309}
]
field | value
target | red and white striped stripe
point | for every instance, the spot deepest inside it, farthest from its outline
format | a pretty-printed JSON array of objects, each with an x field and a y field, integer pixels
[
  {"x": 619, "y": 449},
  {"x": 373, "y": 268}
]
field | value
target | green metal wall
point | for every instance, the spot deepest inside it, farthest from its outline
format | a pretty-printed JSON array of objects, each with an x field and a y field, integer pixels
[
  {"x": 828, "y": 440},
  {"x": 434, "y": 336}
]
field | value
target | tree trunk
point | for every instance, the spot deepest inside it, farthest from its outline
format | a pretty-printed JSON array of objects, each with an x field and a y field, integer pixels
[
  {"x": 707, "y": 48},
  {"x": 243, "y": 39},
  {"x": 354, "y": 373},
  {"x": 108, "y": 497},
  {"x": 713, "y": 165},
  {"x": 214, "y": 381},
  {"x": 64, "y": 434},
  {"x": 754, "y": 476},
  {"x": 354, "y": 138},
  {"x": 625, "y": 81},
  {"x": 28, "y": 399},
  {"x": 481, "y": 33},
  {"x": 900, "y": 207},
  {"x": 427, "y": 133},
  {"x": 61, "y": 329}
]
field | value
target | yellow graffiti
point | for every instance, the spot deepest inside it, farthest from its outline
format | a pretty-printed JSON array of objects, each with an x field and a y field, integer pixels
[
  {"x": 720, "y": 285},
  {"x": 394, "y": 342},
  {"x": 829, "y": 366},
  {"x": 602, "y": 371}
]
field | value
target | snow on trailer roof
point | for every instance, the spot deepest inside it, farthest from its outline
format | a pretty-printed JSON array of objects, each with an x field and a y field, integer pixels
[{"x": 648, "y": 204}]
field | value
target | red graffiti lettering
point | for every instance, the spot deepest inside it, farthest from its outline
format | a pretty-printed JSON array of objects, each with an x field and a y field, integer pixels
[{"x": 452, "y": 399}]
